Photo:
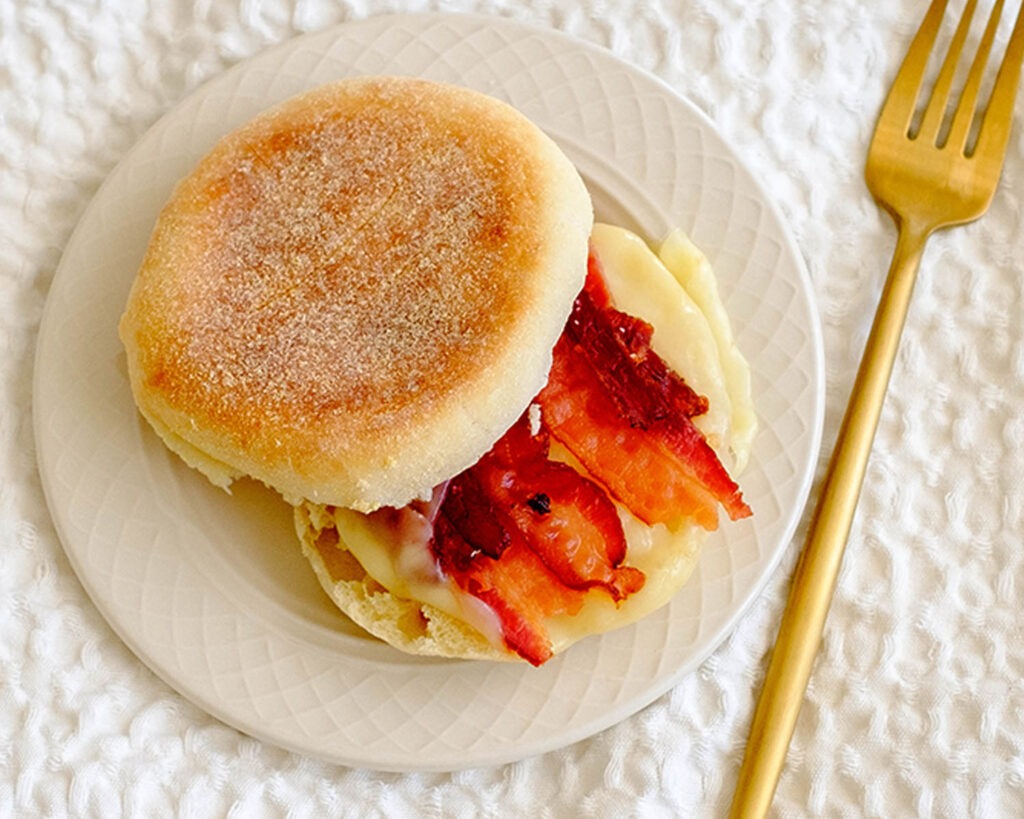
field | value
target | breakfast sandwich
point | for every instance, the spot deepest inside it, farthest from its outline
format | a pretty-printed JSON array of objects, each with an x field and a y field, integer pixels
[{"x": 502, "y": 427}]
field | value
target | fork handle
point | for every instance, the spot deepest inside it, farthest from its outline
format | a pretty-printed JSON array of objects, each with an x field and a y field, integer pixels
[{"x": 814, "y": 580}]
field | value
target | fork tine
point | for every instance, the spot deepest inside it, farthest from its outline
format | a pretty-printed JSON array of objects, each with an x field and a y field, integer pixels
[
  {"x": 960, "y": 130},
  {"x": 995, "y": 127},
  {"x": 937, "y": 105},
  {"x": 907, "y": 85}
]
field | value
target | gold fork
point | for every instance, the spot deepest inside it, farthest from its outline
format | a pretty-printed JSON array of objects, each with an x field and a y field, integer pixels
[{"x": 929, "y": 171}]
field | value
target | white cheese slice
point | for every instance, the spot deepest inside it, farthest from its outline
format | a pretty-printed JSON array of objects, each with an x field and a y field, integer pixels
[
  {"x": 641, "y": 285},
  {"x": 693, "y": 271}
]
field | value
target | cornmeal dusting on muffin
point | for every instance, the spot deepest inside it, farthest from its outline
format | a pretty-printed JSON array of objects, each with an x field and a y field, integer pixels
[
  {"x": 354, "y": 294},
  {"x": 305, "y": 302}
]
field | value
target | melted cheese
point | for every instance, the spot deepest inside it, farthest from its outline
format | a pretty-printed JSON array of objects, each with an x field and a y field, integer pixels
[
  {"x": 692, "y": 270},
  {"x": 642, "y": 286},
  {"x": 400, "y": 559},
  {"x": 677, "y": 295},
  {"x": 665, "y": 556}
]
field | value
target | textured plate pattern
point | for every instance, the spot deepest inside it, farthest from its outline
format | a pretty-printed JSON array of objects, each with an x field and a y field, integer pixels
[{"x": 210, "y": 590}]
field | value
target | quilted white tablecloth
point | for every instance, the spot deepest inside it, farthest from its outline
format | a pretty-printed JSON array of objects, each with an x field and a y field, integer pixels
[{"x": 916, "y": 706}]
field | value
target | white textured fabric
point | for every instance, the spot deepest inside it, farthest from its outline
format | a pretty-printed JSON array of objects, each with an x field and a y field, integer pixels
[{"x": 916, "y": 706}]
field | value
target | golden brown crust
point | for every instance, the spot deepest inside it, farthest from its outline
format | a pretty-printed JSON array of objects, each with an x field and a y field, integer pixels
[{"x": 355, "y": 294}]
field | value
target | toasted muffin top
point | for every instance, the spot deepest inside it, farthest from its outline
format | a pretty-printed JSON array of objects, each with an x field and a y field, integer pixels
[{"x": 353, "y": 296}]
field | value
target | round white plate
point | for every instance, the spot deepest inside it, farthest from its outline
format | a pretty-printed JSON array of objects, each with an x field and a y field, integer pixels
[{"x": 210, "y": 590}]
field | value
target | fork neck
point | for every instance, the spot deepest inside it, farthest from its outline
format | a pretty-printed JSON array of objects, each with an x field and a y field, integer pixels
[
  {"x": 914, "y": 230},
  {"x": 911, "y": 239}
]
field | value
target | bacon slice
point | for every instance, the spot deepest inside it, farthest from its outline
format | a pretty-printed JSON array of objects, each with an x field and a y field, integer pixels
[
  {"x": 518, "y": 588},
  {"x": 618, "y": 345},
  {"x": 627, "y": 417},
  {"x": 476, "y": 516},
  {"x": 530, "y": 537},
  {"x": 565, "y": 518}
]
